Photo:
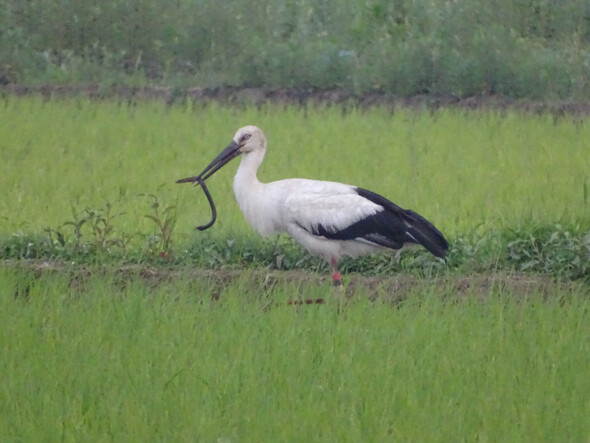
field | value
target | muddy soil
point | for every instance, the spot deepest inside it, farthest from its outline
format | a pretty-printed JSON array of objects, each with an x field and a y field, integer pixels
[
  {"x": 295, "y": 96},
  {"x": 392, "y": 288}
]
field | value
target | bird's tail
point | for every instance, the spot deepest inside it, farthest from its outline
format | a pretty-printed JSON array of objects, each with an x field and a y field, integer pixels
[{"x": 421, "y": 231}]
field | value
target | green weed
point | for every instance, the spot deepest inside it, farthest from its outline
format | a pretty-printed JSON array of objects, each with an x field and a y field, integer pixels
[{"x": 165, "y": 219}]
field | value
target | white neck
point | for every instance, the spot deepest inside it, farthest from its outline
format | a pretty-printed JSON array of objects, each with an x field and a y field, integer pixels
[
  {"x": 246, "y": 175},
  {"x": 252, "y": 195}
]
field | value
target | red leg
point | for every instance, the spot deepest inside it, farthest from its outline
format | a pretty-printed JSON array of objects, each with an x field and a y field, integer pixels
[{"x": 336, "y": 277}]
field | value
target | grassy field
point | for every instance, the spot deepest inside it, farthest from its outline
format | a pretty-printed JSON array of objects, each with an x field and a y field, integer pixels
[
  {"x": 99, "y": 353},
  {"x": 86, "y": 179},
  {"x": 463, "y": 170},
  {"x": 104, "y": 358}
]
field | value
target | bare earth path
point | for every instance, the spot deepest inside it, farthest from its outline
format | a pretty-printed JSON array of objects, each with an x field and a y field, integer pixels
[{"x": 394, "y": 288}]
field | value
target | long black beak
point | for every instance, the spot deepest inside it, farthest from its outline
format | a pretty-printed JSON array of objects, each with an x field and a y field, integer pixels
[{"x": 228, "y": 154}]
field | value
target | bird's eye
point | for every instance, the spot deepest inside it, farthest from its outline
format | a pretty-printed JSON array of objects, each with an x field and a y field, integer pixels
[{"x": 244, "y": 138}]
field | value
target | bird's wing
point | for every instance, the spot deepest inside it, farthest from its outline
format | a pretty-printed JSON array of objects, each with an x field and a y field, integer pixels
[
  {"x": 331, "y": 210},
  {"x": 402, "y": 225},
  {"x": 342, "y": 212}
]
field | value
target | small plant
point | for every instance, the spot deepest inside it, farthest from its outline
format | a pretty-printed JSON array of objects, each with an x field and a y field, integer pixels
[
  {"x": 79, "y": 219},
  {"x": 102, "y": 229},
  {"x": 101, "y": 222},
  {"x": 164, "y": 217}
]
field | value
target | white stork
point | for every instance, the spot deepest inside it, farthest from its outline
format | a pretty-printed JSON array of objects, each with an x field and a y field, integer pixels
[{"x": 329, "y": 219}]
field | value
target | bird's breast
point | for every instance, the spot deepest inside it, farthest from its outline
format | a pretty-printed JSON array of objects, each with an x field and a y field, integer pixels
[{"x": 261, "y": 207}]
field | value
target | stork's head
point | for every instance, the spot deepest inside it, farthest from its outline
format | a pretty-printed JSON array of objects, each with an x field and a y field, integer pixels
[{"x": 248, "y": 139}]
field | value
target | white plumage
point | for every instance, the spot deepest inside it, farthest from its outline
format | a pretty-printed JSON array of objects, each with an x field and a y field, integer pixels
[{"x": 329, "y": 219}]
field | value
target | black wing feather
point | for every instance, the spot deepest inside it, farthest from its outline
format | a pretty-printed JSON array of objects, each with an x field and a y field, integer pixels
[{"x": 392, "y": 227}]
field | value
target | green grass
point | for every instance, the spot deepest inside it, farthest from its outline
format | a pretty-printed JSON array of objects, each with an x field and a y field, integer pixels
[
  {"x": 460, "y": 169},
  {"x": 89, "y": 354},
  {"x": 507, "y": 188},
  {"x": 102, "y": 357}
]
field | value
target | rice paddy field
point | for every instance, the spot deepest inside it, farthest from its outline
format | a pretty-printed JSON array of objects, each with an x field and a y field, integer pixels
[
  {"x": 121, "y": 322},
  {"x": 461, "y": 169}
]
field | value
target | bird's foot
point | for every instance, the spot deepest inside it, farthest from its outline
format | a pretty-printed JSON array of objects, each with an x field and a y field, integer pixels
[
  {"x": 337, "y": 279},
  {"x": 338, "y": 286}
]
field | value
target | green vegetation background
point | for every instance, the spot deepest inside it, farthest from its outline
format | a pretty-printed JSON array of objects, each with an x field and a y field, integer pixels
[{"x": 515, "y": 48}]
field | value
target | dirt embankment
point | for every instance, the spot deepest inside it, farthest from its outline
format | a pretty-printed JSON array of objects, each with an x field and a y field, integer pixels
[
  {"x": 394, "y": 288},
  {"x": 297, "y": 97}
]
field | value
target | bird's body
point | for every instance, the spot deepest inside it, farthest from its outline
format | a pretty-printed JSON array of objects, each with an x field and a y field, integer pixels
[
  {"x": 301, "y": 208},
  {"x": 329, "y": 219}
]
